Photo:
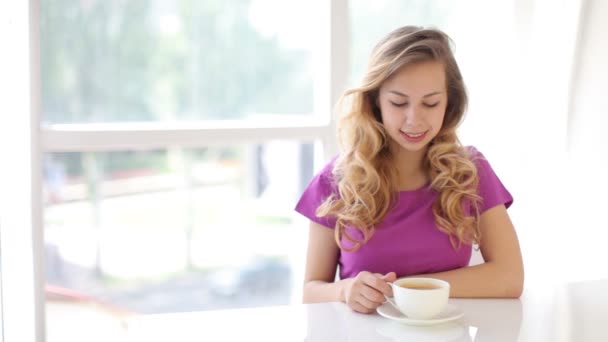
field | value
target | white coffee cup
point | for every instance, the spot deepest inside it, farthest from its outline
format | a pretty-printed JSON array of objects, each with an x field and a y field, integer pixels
[{"x": 420, "y": 298}]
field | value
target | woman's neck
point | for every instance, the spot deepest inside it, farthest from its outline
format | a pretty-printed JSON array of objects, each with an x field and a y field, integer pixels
[{"x": 411, "y": 169}]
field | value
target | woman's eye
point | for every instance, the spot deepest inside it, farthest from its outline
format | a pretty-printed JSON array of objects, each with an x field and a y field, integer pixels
[{"x": 428, "y": 105}]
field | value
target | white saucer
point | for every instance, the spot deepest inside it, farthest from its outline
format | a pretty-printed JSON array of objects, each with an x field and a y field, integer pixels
[{"x": 451, "y": 312}]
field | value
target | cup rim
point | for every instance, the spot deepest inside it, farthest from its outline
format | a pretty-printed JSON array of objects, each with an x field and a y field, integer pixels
[{"x": 441, "y": 283}]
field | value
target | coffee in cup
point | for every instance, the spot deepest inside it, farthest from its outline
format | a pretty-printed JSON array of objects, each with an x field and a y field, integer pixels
[{"x": 420, "y": 298}]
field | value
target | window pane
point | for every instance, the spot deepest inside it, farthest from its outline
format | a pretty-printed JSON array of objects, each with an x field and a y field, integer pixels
[
  {"x": 477, "y": 50},
  {"x": 119, "y": 61},
  {"x": 367, "y": 30},
  {"x": 177, "y": 230}
]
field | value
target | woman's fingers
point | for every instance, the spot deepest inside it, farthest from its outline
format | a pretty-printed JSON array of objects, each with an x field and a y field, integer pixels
[
  {"x": 372, "y": 295},
  {"x": 367, "y": 291},
  {"x": 367, "y": 303},
  {"x": 390, "y": 277},
  {"x": 376, "y": 282},
  {"x": 360, "y": 308}
]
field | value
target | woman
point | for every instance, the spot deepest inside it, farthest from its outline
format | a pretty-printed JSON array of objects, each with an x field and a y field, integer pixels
[{"x": 404, "y": 197}]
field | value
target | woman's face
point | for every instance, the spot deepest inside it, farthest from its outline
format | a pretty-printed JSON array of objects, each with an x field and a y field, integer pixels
[{"x": 413, "y": 103}]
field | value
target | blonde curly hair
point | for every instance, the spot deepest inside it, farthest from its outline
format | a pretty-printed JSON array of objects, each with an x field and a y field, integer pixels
[{"x": 364, "y": 172}]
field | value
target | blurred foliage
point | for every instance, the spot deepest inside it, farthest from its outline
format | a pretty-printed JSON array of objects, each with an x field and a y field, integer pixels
[
  {"x": 138, "y": 60},
  {"x": 117, "y": 61}
]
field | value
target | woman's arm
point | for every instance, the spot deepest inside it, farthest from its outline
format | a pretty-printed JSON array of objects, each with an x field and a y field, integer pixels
[
  {"x": 364, "y": 293},
  {"x": 321, "y": 264},
  {"x": 502, "y": 274}
]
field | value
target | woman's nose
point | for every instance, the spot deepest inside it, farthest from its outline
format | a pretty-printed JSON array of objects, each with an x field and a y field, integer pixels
[{"x": 412, "y": 115}]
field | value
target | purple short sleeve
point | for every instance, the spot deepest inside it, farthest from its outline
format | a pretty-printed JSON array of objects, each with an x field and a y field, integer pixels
[
  {"x": 407, "y": 241},
  {"x": 491, "y": 189},
  {"x": 319, "y": 189}
]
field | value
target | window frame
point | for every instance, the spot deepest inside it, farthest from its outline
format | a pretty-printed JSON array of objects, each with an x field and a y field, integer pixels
[
  {"x": 22, "y": 293},
  {"x": 21, "y": 245}
]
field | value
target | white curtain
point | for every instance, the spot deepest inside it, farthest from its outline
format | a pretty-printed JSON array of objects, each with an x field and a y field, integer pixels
[{"x": 537, "y": 78}]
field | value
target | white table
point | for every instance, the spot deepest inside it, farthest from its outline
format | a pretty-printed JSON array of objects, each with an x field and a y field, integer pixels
[{"x": 570, "y": 312}]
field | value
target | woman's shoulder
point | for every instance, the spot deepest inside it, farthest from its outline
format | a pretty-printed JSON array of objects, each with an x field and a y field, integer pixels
[
  {"x": 490, "y": 187},
  {"x": 475, "y": 156},
  {"x": 318, "y": 190},
  {"x": 325, "y": 177},
  {"x": 472, "y": 152},
  {"x": 328, "y": 169}
]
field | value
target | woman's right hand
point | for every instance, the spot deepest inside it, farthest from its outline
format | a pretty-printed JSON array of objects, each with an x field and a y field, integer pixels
[{"x": 365, "y": 292}]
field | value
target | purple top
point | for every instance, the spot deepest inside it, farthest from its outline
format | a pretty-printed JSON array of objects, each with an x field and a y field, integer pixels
[{"x": 407, "y": 241}]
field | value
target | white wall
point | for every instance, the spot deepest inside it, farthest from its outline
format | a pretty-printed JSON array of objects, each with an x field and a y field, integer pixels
[
  {"x": 539, "y": 112},
  {"x": 589, "y": 119},
  {"x": 553, "y": 150},
  {"x": 588, "y": 147}
]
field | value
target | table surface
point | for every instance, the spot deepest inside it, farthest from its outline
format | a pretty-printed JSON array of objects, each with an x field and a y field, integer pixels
[{"x": 569, "y": 312}]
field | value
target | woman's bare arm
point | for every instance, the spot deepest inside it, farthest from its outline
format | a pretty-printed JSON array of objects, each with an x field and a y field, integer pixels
[
  {"x": 502, "y": 273},
  {"x": 363, "y": 293},
  {"x": 321, "y": 265}
]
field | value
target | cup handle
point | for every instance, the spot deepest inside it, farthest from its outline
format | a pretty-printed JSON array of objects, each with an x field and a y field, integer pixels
[{"x": 391, "y": 301}]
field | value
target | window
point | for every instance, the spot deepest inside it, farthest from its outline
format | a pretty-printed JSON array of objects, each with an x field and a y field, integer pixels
[
  {"x": 177, "y": 137},
  {"x": 177, "y": 229},
  {"x": 134, "y": 61},
  {"x": 157, "y": 116},
  {"x": 366, "y": 29}
]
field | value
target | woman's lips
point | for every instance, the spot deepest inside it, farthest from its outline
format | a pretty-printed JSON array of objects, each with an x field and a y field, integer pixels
[{"x": 413, "y": 137}]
